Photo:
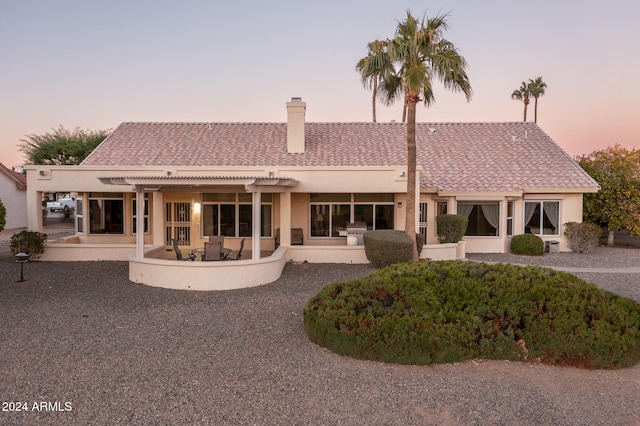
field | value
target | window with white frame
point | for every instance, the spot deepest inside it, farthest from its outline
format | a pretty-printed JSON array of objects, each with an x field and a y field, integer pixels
[
  {"x": 230, "y": 214},
  {"x": 484, "y": 218},
  {"x": 134, "y": 215},
  {"x": 79, "y": 216},
  {"x": 509, "y": 218},
  {"x": 106, "y": 213},
  {"x": 542, "y": 217},
  {"x": 331, "y": 212}
]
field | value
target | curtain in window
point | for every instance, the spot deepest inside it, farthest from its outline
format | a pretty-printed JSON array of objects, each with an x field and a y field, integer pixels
[
  {"x": 529, "y": 210},
  {"x": 465, "y": 209},
  {"x": 552, "y": 210},
  {"x": 492, "y": 214}
]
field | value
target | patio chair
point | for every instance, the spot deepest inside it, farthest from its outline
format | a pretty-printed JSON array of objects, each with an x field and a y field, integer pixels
[
  {"x": 296, "y": 237},
  {"x": 212, "y": 251},
  {"x": 239, "y": 254},
  {"x": 217, "y": 239},
  {"x": 179, "y": 253}
]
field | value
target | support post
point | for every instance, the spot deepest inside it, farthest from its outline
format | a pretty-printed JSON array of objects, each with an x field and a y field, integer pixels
[
  {"x": 140, "y": 208},
  {"x": 285, "y": 219},
  {"x": 256, "y": 224}
]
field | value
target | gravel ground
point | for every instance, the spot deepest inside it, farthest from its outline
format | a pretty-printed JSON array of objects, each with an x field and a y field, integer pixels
[{"x": 119, "y": 353}]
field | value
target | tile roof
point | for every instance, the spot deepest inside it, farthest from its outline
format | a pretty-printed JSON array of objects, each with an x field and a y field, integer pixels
[
  {"x": 19, "y": 178},
  {"x": 456, "y": 157}
]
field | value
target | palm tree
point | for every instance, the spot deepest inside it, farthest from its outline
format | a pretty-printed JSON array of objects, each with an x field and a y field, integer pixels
[
  {"x": 536, "y": 89},
  {"x": 522, "y": 94},
  {"x": 421, "y": 55},
  {"x": 373, "y": 68}
]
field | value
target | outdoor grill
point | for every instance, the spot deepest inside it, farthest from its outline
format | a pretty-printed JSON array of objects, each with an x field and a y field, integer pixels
[{"x": 354, "y": 233}]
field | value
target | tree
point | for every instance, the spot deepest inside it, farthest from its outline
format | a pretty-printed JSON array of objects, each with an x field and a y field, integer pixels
[
  {"x": 617, "y": 204},
  {"x": 522, "y": 94},
  {"x": 536, "y": 89},
  {"x": 3, "y": 216},
  {"x": 374, "y": 67},
  {"x": 61, "y": 146},
  {"x": 420, "y": 55}
]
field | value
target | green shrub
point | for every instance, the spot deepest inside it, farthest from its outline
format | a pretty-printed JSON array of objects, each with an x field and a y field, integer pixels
[
  {"x": 419, "y": 243},
  {"x": 30, "y": 242},
  {"x": 582, "y": 236},
  {"x": 387, "y": 247},
  {"x": 67, "y": 214},
  {"x": 451, "y": 227},
  {"x": 452, "y": 311},
  {"x": 527, "y": 244},
  {"x": 3, "y": 216}
]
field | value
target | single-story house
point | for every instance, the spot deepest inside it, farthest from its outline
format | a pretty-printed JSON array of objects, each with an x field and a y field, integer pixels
[
  {"x": 197, "y": 180},
  {"x": 13, "y": 193}
]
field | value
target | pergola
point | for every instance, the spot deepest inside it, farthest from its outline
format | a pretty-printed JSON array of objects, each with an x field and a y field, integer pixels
[{"x": 256, "y": 185}]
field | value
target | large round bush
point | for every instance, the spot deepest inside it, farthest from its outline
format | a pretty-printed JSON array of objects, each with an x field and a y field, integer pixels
[
  {"x": 527, "y": 244},
  {"x": 438, "y": 312}
]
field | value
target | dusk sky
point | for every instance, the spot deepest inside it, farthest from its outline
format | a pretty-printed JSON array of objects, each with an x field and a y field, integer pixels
[{"x": 95, "y": 64}]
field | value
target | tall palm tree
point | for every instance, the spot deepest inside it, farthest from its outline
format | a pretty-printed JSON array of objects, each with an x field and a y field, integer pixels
[
  {"x": 421, "y": 55},
  {"x": 536, "y": 89},
  {"x": 522, "y": 94},
  {"x": 373, "y": 68}
]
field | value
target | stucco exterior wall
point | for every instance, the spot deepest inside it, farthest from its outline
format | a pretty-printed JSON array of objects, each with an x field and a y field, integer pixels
[{"x": 15, "y": 201}]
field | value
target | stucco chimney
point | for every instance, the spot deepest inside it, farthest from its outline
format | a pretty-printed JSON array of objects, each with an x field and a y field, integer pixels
[{"x": 295, "y": 126}]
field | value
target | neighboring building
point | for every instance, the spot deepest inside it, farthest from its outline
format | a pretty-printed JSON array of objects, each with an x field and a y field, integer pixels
[
  {"x": 13, "y": 193},
  {"x": 203, "y": 179}
]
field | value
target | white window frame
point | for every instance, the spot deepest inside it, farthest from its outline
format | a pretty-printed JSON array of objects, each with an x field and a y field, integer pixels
[
  {"x": 79, "y": 213},
  {"x": 237, "y": 203},
  {"x": 509, "y": 229},
  {"x": 541, "y": 224},
  {"x": 104, "y": 196},
  {"x": 351, "y": 203},
  {"x": 476, "y": 205}
]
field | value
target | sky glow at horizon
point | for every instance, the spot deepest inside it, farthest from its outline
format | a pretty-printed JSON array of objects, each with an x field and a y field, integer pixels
[{"x": 93, "y": 65}]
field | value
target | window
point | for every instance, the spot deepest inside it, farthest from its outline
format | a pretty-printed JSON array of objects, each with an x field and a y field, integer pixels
[
  {"x": 79, "y": 216},
  {"x": 484, "y": 218},
  {"x": 330, "y": 213},
  {"x": 542, "y": 217},
  {"x": 134, "y": 215},
  {"x": 230, "y": 215},
  {"x": 509, "y": 218},
  {"x": 106, "y": 213}
]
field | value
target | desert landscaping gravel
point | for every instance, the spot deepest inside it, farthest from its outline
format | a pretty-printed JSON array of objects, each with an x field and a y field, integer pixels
[{"x": 98, "y": 349}]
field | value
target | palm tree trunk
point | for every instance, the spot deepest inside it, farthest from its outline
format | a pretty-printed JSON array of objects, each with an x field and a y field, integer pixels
[
  {"x": 525, "y": 112},
  {"x": 410, "y": 220},
  {"x": 404, "y": 108},
  {"x": 535, "y": 110},
  {"x": 373, "y": 99}
]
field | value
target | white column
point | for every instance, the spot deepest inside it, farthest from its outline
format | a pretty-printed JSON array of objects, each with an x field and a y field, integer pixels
[
  {"x": 140, "y": 207},
  {"x": 157, "y": 218},
  {"x": 256, "y": 225},
  {"x": 34, "y": 210},
  {"x": 285, "y": 219}
]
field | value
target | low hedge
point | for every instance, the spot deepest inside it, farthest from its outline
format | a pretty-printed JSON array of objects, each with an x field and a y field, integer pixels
[
  {"x": 386, "y": 247},
  {"x": 451, "y": 311},
  {"x": 527, "y": 244}
]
